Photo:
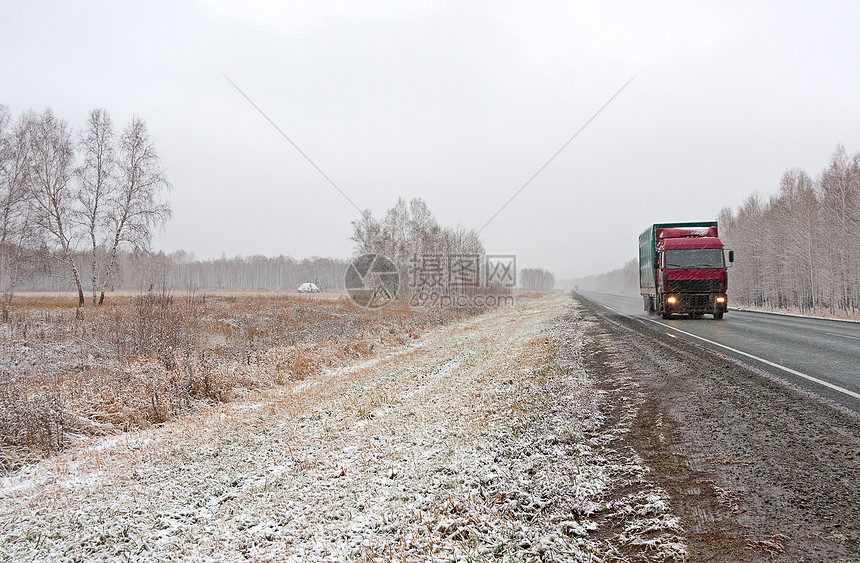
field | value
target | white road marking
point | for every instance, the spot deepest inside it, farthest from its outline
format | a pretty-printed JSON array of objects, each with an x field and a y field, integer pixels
[
  {"x": 768, "y": 362},
  {"x": 842, "y": 335},
  {"x": 614, "y": 309},
  {"x": 762, "y": 360}
]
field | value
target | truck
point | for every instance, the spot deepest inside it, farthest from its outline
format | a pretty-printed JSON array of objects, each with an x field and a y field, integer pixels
[{"x": 683, "y": 270}]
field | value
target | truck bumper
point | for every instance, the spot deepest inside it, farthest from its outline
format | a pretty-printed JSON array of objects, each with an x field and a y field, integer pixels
[{"x": 695, "y": 303}]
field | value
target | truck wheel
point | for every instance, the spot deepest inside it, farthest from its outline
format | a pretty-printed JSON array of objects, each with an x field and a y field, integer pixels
[
  {"x": 667, "y": 315},
  {"x": 718, "y": 316},
  {"x": 649, "y": 305}
]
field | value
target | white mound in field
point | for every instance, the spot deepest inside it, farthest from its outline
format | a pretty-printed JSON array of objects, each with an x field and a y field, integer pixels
[{"x": 309, "y": 288}]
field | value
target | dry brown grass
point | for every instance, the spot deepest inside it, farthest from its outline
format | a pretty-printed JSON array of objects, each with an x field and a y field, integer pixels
[{"x": 143, "y": 359}]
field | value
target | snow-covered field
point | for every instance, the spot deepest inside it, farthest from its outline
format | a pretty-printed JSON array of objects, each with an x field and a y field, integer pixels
[{"x": 483, "y": 440}]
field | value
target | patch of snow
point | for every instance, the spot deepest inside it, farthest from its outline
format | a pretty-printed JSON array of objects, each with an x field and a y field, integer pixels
[{"x": 308, "y": 288}]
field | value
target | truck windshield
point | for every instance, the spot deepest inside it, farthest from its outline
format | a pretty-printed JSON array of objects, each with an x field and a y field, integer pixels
[{"x": 694, "y": 258}]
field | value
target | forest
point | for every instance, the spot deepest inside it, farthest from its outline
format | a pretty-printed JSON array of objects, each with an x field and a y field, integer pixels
[{"x": 799, "y": 248}]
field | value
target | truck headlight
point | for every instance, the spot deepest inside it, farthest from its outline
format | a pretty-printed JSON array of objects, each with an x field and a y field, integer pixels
[
  {"x": 671, "y": 300},
  {"x": 721, "y": 299}
]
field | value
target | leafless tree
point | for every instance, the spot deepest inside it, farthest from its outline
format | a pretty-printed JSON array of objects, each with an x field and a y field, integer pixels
[
  {"x": 136, "y": 208},
  {"x": 795, "y": 224},
  {"x": 53, "y": 197},
  {"x": 366, "y": 233},
  {"x": 14, "y": 208},
  {"x": 840, "y": 202},
  {"x": 97, "y": 184}
]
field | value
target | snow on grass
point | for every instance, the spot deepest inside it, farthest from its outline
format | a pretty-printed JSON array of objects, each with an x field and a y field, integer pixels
[
  {"x": 483, "y": 441},
  {"x": 147, "y": 359}
]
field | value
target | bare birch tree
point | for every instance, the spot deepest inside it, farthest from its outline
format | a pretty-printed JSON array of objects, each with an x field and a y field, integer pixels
[
  {"x": 96, "y": 177},
  {"x": 840, "y": 201},
  {"x": 14, "y": 210},
  {"x": 51, "y": 170},
  {"x": 136, "y": 208},
  {"x": 797, "y": 217}
]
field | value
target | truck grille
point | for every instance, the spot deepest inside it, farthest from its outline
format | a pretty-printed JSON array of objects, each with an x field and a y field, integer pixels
[
  {"x": 697, "y": 301},
  {"x": 695, "y": 286}
]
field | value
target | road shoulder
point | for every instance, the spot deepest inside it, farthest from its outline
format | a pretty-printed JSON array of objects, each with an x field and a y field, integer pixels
[{"x": 756, "y": 470}]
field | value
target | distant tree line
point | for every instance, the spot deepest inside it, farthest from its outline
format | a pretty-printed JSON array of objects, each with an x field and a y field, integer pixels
[
  {"x": 799, "y": 248},
  {"x": 280, "y": 273},
  {"x": 75, "y": 198},
  {"x": 536, "y": 279},
  {"x": 620, "y": 280},
  {"x": 412, "y": 238},
  {"x": 143, "y": 270}
]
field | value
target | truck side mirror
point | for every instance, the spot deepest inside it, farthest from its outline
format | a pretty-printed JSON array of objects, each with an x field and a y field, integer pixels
[{"x": 731, "y": 255}]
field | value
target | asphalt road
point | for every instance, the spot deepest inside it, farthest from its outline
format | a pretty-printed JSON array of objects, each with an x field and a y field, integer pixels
[
  {"x": 820, "y": 356},
  {"x": 760, "y": 463}
]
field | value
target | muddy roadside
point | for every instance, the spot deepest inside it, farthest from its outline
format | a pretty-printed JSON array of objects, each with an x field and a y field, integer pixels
[{"x": 756, "y": 470}]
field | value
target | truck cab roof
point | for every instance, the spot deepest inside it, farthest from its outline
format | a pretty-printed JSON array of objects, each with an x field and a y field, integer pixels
[{"x": 692, "y": 242}]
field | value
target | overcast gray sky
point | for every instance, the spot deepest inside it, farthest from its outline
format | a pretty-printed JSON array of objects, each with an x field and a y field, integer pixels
[{"x": 459, "y": 103}]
